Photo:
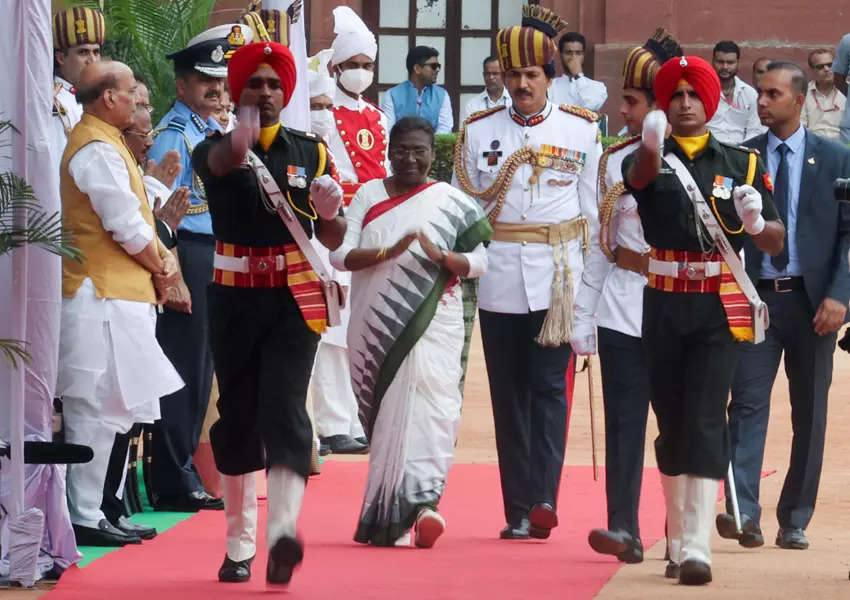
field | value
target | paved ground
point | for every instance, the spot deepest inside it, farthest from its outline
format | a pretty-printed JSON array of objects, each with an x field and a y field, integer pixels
[{"x": 820, "y": 572}]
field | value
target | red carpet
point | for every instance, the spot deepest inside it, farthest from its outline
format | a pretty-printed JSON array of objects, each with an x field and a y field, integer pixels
[{"x": 467, "y": 562}]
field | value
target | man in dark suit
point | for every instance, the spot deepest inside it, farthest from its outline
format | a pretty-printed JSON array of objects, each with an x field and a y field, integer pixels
[{"x": 807, "y": 288}]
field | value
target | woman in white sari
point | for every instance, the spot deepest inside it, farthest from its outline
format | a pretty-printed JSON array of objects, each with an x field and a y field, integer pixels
[{"x": 409, "y": 241}]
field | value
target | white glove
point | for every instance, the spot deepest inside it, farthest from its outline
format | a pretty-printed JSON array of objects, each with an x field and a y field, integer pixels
[
  {"x": 247, "y": 130},
  {"x": 654, "y": 130},
  {"x": 748, "y": 206},
  {"x": 327, "y": 196},
  {"x": 583, "y": 339}
]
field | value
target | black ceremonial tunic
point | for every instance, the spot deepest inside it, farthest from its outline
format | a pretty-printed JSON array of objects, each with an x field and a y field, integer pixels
[
  {"x": 690, "y": 352},
  {"x": 262, "y": 349}
]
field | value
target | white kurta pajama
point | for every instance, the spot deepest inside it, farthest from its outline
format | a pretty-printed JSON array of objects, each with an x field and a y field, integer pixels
[
  {"x": 413, "y": 423},
  {"x": 112, "y": 371}
]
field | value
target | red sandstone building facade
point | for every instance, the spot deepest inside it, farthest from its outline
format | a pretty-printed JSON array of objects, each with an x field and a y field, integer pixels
[{"x": 463, "y": 31}]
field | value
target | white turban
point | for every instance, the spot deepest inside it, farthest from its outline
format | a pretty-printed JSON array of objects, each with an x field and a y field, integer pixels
[
  {"x": 352, "y": 36},
  {"x": 318, "y": 77}
]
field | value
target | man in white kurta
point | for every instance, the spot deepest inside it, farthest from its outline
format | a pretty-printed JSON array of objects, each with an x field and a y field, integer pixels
[
  {"x": 111, "y": 368},
  {"x": 534, "y": 167},
  {"x": 357, "y": 136},
  {"x": 494, "y": 94}
]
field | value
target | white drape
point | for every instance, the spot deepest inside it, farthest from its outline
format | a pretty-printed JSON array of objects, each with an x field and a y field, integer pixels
[
  {"x": 30, "y": 281},
  {"x": 297, "y": 113}
]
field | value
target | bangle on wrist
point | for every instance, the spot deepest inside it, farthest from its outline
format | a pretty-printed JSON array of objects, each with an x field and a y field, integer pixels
[{"x": 382, "y": 254}]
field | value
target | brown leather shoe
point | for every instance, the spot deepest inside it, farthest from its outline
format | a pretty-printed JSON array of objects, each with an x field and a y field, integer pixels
[{"x": 694, "y": 572}]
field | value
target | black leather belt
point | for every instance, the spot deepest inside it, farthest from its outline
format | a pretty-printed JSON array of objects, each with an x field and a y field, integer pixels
[{"x": 781, "y": 285}]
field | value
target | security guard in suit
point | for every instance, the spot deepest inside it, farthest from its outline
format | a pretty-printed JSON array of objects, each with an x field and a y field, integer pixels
[{"x": 199, "y": 69}]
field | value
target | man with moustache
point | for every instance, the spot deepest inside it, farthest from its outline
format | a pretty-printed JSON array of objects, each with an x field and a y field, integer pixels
[
  {"x": 266, "y": 306},
  {"x": 759, "y": 69},
  {"x": 534, "y": 167},
  {"x": 495, "y": 93},
  {"x": 199, "y": 71},
  {"x": 691, "y": 323},
  {"x": 610, "y": 299},
  {"x": 112, "y": 371},
  {"x": 824, "y": 104},
  {"x": 737, "y": 117},
  {"x": 807, "y": 288}
]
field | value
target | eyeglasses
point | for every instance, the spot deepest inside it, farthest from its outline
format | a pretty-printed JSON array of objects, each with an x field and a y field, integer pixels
[
  {"x": 822, "y": 66},
  {"x": 403, "y": 153},
  {"x": 434, "y": 65},
  {"x": 141, "y": 134}
]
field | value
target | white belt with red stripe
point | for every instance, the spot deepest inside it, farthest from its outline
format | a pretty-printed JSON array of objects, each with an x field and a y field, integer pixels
[{"x": 250, "y": 264}]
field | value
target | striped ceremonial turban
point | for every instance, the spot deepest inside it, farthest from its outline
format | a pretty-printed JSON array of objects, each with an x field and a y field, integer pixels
[
  {"x": 77, "y": 26},
  {"x": 693, "y": 70},
  {"x": 529, "y": 45},
  {"x": 643, "y": 62}
]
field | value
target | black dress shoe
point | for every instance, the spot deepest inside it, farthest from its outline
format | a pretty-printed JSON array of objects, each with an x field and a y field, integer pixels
[
  {"x": 130, "y": 528},
  {"x": 362, "y": 439},
  {"x": 344, "y": 444},
  {"x": 694, "y": 572},
  {"x": 792, "y": 538},
  {"x": 104, "y": 535},
  {"x": 284, "y": 556},
  {"x": 235, "y": 571},
  {"x": 515, "y": 532},
  {"x": 191, "y": 502},
  {"x": 634, "y": 554},
  {"x": 542, "y": 518},
  {"x": 750, "y": 536},
  {"x": 671, "y": 571},
  {"x": 604, "y": 541}
]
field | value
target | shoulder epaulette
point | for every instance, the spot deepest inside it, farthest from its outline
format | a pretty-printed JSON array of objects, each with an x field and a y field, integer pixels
[
  {"x": 584, "y": 113},
  {"x": 741, "y": 148},
  {"x": 620, "y": 145},
  {"x": 480, "y": 114},
  {"x": 178, "y": 123},
  {"x": 303, "y": 134}
]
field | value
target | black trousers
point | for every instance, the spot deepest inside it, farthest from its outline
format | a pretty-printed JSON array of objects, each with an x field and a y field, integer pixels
[
  {"x": 111, "y": 505},
  {"x": 691, "y": 357},
  {"x": 184, "y": 339},
  {"x": 528, "y": 393},
  {"x": 808, "y": 366},
  {"x": 263, "y": 352},
  {"x": 625, "y": 394}
]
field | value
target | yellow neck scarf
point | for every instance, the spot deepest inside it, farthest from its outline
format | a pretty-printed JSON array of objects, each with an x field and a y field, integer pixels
[
  {"x": 267, "y": 135},
  {"x": 692, "y": 145}
]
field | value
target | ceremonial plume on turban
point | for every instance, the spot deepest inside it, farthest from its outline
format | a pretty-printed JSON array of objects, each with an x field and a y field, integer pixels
[
  {"x": 697, "y": 72},
  {"x": 529, "y": 45},
  {"x": 352, "y": 36},
  {"x": 77, "y": 26},
  {"x": 245, "y": 62},
  {"x": 318, "y": 77},
  {"x": 642, "y": 63}
]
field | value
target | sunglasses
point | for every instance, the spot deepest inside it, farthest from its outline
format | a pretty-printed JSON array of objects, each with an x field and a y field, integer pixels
[
  {"x": 433, "y": 65},
  {"x": 822, "y": 66}
]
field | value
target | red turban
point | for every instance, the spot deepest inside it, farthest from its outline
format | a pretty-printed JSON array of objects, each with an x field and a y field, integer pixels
[
  {"x": 696, "y": 71},
  {"x": 247, "y": 59}
]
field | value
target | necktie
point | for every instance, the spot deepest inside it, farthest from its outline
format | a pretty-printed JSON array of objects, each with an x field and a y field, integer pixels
[{"x": 780, "y": 198}]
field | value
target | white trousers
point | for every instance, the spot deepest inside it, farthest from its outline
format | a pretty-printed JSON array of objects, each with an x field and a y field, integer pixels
[
  {"x": 690, "y": 516},
  {"x": 334, "y": 404},
  {"x": 285, "y": 495}
]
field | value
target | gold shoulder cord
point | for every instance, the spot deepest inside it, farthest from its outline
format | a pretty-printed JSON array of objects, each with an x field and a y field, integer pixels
[
  {"x": 197, "y": 184},
  {"x": 499, "y": 189},
  {"x": 751, "y": 174}
]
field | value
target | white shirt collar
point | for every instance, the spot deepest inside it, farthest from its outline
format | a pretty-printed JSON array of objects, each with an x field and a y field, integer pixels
[{"x": 344, "y": 100}]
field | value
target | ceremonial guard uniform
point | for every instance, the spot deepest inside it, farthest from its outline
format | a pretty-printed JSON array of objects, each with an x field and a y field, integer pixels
[
  {"x": 266, "y": 312},
  {"x": 358, "y": 141},
  {"x": 66, "y": 114},
  {"x": 611, "y": 298},
  {"x": 536, "y": 176},
  {"x": 184, "y": 336},
  {"x": 694, "y": 313}
]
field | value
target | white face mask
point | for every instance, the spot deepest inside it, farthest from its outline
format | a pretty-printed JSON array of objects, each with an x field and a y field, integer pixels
[
  {"x": 322, "y": 123},
  {"x": 356, "y": 80}
]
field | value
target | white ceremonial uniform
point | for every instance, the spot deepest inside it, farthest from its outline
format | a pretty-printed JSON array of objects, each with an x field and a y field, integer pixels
[
  {"x": 609, "y": 296},
  {"x": 482, "y": 102},
  {"x": 519, "y": 277},
  {"x": 66, "y": 114},
  {"x": 737, "y": 118},
  {"x": 578, "y": 91},
  {"x": 112, "y": 371}
]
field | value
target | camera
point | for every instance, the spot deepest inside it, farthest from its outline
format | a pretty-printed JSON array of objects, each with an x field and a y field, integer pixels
[{"x": 841, "y": 189}]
